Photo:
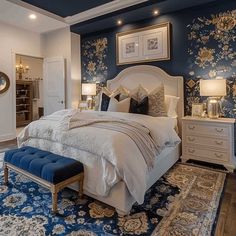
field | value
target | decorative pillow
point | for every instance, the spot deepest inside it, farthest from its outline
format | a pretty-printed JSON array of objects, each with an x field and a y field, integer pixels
[
  {"x": 122, "y": 106},
  {"x": 98, "y": 99},
  {"x": 156, "y": 102},
  {"x": 124, "y": 92},
  {"x": 171, "y": 105},
  {"x": 139, "y": 107},
  {"x": 139, "y": 93},
  {"x": 106, "y": 100}
]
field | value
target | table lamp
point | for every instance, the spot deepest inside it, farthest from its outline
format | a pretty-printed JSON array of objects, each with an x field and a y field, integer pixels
[
  {"x": 89, "y": 90},
  {"x": 214, "y": 89}
]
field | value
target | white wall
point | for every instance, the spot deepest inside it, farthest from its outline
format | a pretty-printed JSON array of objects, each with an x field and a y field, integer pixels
[
  {"x": 75, "y": 69},
  {"x": 53, "y": 44},
  {"x": 13, "y": 40}
]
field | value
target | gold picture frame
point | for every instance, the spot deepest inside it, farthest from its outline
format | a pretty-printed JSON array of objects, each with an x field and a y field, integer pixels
[
  {"x": 146, "y": 44},
  {"x": 197, "y": 109}
]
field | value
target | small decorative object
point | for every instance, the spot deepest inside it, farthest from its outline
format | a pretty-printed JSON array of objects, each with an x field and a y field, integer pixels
[
  {"x": 197, "y": 109},
  {"x": 4, "y": 82},
  {"x": 83, "y": 105},
  {"x": 215, "y": 89},
  {"x": 20, "y": 69},
  {"x": 146, "y": 44},
  {"x": 89, "y": 90}
]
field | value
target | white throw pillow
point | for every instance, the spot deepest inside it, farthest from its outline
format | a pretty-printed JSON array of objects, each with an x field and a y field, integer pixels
[
  {"x": 171, "y": 105},
  {"x": 124, "y": 92},
  {"x": 122, "y": 106}
]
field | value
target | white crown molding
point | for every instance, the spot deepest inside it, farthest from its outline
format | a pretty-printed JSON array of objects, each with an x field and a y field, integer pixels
[
  {"x": 37, "y": 9},
  {"x": 101, "y": 10},
  {"x": 85, "y": 15}
]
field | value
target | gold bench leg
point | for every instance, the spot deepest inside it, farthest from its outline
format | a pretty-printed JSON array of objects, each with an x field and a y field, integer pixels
[
  {"x": 54, "y": 201},
  {"x": 5, "y": 174}
]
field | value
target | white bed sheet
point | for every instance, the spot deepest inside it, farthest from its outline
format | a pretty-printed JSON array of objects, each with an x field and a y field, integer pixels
[{"x": 107, "y": 155}]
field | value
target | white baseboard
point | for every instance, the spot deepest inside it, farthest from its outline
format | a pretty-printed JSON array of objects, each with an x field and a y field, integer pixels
[{"x": 7, "y": 137}]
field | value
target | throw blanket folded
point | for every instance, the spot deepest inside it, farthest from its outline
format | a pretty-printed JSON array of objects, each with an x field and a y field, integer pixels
[{"x": 137, "y": 132}]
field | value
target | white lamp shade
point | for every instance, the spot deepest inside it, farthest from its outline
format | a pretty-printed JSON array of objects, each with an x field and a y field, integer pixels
[
  {"x": 213, "y": 87},
  {"x": 89, "y": 89}
]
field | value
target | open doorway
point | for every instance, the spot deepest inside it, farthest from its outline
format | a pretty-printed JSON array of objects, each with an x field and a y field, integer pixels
[{"x": 29, "y": 90}]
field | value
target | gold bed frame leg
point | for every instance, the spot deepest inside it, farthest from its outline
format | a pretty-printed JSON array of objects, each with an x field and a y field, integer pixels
[
  {"x": 5, "y": 174},
  {"x": 81, "y": 187}
]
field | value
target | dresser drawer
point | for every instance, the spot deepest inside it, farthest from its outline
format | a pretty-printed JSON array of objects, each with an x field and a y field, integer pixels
[
  {"x": 207, "y": 129},
  {"x": 205, "y": 141},
  {"x": 205, "y": 154}
]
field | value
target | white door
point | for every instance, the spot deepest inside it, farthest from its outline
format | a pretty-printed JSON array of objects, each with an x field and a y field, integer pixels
[{"x": 54, "y": 84}]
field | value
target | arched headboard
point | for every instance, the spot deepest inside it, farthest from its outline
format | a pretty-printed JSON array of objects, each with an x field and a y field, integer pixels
[{"x": 150, "y": 77}]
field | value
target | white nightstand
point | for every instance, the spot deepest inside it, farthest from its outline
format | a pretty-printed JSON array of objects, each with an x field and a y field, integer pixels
[{"x": 209, "y": 140}]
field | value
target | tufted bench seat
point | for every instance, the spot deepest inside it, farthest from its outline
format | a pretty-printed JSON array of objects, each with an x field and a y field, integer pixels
[{"x": 47, "y": 169}]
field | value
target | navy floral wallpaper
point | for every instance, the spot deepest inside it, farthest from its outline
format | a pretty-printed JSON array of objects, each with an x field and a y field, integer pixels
[
  {"x": 94, "y": 60},
  {"x": 203, "y": 45},
  {"x": 211, "y": 50}
]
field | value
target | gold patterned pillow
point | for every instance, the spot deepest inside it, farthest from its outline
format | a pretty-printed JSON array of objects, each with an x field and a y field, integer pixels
[{"x": 156, "y": 102}]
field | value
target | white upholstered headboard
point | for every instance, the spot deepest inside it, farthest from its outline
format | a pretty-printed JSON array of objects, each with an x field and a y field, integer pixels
[{"x": 150, "y": 77}]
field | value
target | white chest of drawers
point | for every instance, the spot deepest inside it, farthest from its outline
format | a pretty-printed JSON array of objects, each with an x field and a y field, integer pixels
[{"x": 209, "y": 140}]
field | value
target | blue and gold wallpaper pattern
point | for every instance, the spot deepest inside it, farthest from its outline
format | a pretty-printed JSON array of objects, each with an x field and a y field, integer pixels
[
  {"x": 203, "y": 46},
  {"x": 211, "y": 50},
  {"x": 94, "y": 60}
]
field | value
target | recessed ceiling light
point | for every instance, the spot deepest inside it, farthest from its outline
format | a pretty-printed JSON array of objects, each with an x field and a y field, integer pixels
[
  {"x": 155, "y": 12},
  {"x": 32, "y": 16},
  {"x": 119, "y": 22}
]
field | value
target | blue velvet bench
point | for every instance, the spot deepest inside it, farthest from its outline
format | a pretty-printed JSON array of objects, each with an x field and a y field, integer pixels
[{"x": 45, "y": 168}]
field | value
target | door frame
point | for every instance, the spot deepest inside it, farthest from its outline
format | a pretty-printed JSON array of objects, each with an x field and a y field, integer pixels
[{"x": 14, "y": 54}]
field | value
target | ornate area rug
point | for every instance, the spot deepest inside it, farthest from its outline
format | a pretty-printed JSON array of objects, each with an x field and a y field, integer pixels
[{"x": 183, "y": 202}]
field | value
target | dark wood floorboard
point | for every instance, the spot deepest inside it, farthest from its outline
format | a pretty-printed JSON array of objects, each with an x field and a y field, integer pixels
[{"x": 226, "y": 225}]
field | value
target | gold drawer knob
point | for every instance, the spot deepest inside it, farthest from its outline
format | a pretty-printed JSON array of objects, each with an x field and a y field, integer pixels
[
  {"x": 218, "y": 155},
  {"x": 219, "y": 142},
  {"x": 191, "y": 127},
  {"x": 191, "y": 150},
  {"x": 191, "y": 139},
  {"x": 219, "y": 130}
]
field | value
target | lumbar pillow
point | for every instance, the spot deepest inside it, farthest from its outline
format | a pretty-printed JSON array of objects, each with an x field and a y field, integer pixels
[
  {"x": 139, "y": 107},
  {"x": 119, "y": 106},
  {"x": 139, "y": 93},
  {"x": 171, "y": 105},
  {"x": 156, "y": 102}
]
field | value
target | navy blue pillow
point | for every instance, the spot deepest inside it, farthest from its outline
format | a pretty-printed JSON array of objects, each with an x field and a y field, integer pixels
[
  {"x": 139, "y": 107},
  {"x": 106, "y": 100}
]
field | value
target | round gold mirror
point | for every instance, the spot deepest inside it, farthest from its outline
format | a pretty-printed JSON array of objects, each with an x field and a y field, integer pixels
[{"x": 4, "y": 82}]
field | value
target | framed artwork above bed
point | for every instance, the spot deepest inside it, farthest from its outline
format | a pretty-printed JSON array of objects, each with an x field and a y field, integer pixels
[{"x": 151, "y": 43}]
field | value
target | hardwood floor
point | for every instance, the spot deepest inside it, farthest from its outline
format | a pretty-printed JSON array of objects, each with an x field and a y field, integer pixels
[{"x": 226, "y": 225}]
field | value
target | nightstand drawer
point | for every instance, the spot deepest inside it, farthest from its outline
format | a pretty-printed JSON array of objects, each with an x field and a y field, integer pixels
[
  {"x": 207, "y": 129},
  {"x": 206, "y": 154},
  {"x": 205, "y": 141}
]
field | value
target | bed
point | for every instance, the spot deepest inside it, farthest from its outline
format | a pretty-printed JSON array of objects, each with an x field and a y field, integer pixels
[{"x": 121, "y": 194}]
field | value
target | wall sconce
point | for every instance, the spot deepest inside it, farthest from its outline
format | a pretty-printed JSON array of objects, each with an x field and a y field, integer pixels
[
  {"x": 20, "y": 69},
  {"x": 215, "y": 89},
  {"x": 89, "y": 90}
]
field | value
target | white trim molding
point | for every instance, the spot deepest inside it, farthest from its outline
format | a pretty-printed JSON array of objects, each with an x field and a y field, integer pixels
[
  {"x": 85, "y": 15},
  {"x": 101, "y": 10}
]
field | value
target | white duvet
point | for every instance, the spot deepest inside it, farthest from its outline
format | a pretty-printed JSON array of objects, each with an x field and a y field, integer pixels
[{"x": 108, "y": 156}]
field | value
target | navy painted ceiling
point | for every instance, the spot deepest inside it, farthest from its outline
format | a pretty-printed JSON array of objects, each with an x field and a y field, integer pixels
[
  {"x": 66, "y": 8},
  {"x": 136, "y": 13}
]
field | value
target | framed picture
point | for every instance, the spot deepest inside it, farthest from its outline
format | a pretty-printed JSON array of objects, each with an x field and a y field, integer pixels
[
  {"x": 141, "y": 45},
  {"x": 197, "y": 109}
]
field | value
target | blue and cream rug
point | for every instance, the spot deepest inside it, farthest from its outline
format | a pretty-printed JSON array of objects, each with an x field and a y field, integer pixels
[{"x": 183, "y": 202}]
